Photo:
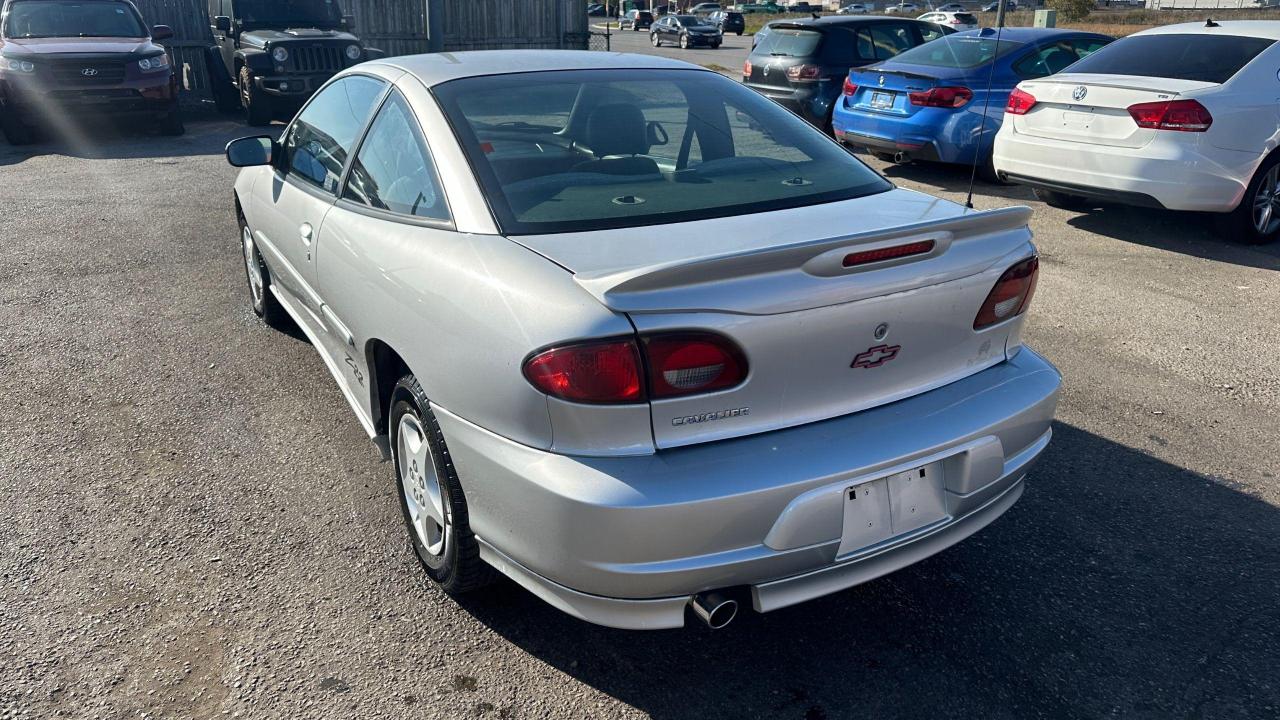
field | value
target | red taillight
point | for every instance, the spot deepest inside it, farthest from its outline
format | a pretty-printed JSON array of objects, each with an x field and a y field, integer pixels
[
  {"x": 804, "y": 73},
  {"x": 1011, "y": 295},
  {"x": 849, "y": 88},
  {"x": 889, "y": 253},
  {"x": 746, "y": 68},
  {"x": 1177, "y": 115},
  {"x": 598, "y": 372},
  {"x": 691, "y": 363},
  {"x": 946, "y": 97},
  {"x": 685, "y": 363},
  {"x": 1020, "y": 102}
]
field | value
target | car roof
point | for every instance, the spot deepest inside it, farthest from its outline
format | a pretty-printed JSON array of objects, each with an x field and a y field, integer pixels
[
  {"x": 826, "y": 20},
  {"x": 1269, "y": 29},
  {"x": 1027, "y": 34},
  {"x": 435, "y": 68}
]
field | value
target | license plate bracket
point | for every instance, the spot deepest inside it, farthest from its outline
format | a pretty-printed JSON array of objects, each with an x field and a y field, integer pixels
[
  {"x": 880, "y": 509},
  {"x": 881, "y": 100}
]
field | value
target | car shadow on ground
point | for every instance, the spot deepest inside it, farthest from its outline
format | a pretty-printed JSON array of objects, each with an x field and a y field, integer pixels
[
  {"x": 207, "y": 134},
  {"x": 1119, "y": 585},
  {"x": 1196, "y": 234}
]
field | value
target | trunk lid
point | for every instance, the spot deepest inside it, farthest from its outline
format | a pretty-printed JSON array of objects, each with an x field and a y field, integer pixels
[
  {"x": 1094, "y": 108},
  {"x": 778, "y": 288},
  {"x": 887, "y": 90},
  {"x": 785, "y": 47}
]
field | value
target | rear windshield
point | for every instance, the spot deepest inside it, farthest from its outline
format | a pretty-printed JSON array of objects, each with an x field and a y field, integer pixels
[
  {"x": 788, "y": 42},
  {"x": 966, "y": 18},
  {"x": 1207, "y": 58},
  {"x": 588, "y": 150},
  {"x": 72, "y": 19},
  {"x": 958, "y": 51}
]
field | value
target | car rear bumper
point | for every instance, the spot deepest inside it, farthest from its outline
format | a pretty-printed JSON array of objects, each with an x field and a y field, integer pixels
[
  {"x": 1177, "y": 173},
  {"x": 933, "y": 134},
  {"x": 626, "y": 541},
  {"x": 810, "y": 102}
]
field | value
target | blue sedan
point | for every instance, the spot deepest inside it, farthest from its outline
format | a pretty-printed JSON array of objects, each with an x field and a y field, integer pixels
[{"x": 928, "y": 102}]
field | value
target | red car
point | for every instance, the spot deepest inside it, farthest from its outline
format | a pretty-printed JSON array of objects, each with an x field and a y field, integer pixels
[{"x": 83, "y": 58}]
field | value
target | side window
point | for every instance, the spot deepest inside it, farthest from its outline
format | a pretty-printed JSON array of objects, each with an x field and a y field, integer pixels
[
  {"x": 866, "y": 47},
  {"x": 889, "y": 39},
  {"x": 1085, "y": 48},
  {"x": 930, "y": 31},
  {"x": 319, "y": 141},
  {"x": 393, "y": 169},
  {"x": 1046, "y": 60}
]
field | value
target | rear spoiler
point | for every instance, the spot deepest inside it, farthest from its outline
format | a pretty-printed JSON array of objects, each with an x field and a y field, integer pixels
[{"x": 810, "y": 274}]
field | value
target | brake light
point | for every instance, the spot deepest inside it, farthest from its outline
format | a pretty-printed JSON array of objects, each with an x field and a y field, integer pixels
[
  {"x": 947, "y": 97},
  {"x": 849, "y": 89},
  {"x": 1011, "y": 296},
  {"x": 889, "y": 253},
  {"x": 692, "y": 363},
  {"x": 746, "y": 68},
  {"x": 804, "y": 73},
  {"x": 1020, "y": 102},
  {"x": 596, "y": 372},
  {"x": 1177, "y": 115}
]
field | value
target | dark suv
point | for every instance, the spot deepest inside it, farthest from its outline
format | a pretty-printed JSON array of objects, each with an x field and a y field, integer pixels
[
  {"x": 82, "y": 59},
  {"x": 271, "y": 55},
  {"x": 728, "y": 22},
  {"x": 802, "y": 64}
]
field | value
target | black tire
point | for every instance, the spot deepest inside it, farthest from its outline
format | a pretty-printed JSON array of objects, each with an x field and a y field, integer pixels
[
  {"x": 739, "y": 33},
  {"x": 882, "y": 155},
  {"x": 1053, "y": 198},
  {"x": 171, "y": 124},
  {"x": 653, "y": 39},
  {"x": 264, "y": 303},
  {"x": 1239, "y": 224},
  {"x": 715, "y": 46},
  {"x": 458, "y": 568},
  {"x": 15, "y": 131},
  {"x": 257, "y": 106}
]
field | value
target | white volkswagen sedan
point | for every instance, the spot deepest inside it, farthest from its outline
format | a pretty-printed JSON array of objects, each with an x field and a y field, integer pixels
[
  {"x": 640, "y": 338},
  {"x": 1182, "y": 117}
]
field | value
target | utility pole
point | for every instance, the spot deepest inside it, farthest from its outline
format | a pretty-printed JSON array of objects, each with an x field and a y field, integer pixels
[{"x": 1000, "y": 13}]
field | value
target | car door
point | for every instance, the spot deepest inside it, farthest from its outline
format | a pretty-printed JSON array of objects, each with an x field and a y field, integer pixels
[
  {"x": 288, "y": 218},
  {"x": 392, "y": 211}
]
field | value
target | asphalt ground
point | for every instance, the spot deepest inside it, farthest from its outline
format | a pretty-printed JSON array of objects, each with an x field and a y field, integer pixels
[{"x": 195, "y": 525}]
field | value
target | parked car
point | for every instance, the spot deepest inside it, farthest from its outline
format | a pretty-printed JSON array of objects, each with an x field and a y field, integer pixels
[
  {"x": 60, "y": 58},
  {"x": 803, "y": 7},
  {"x": 929, "y": 102},
  {"x": 854, "y": 9},
  {"x": 766, "y": 8},
  {"x": 596, "y": 10},
  {"x": 951, "y": 7},
  {"x": 599, "y": 367},
  {"x": 905, "y": 8},
  {"x": 993, "y": 7},
  {"x": 268, "y": 56},
  {"x": 1179, "y": 117},
  {"x": 727, "y": 21},
  {"x": 686, "y": 31},
  {"x": 802, "y": 64},
  {"x": 953, "y": 20},
  {"x": 636, "y": 20},
  {"x": 705, "y": 8}
]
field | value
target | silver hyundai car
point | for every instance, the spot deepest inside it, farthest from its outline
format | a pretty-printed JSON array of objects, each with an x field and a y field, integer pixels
[{"x": 639, "y": 338}]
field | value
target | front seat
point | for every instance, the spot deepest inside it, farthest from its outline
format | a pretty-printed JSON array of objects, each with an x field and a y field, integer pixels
[{"x": 618, "y": 137}]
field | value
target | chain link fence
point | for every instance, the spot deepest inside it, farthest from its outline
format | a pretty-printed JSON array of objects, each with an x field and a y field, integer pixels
[{"x": 600, "y": 40}]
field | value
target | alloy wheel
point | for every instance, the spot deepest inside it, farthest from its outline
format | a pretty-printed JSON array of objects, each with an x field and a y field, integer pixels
[
  {"x": 428, "y": 507},
  {"x": 1266, "y": 203}
]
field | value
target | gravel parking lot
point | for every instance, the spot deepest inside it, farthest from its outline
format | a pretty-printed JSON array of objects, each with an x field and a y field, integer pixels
[{"x": 196, "y": 526}]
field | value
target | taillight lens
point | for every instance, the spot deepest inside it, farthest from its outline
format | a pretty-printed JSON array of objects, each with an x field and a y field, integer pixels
[
  {"x": 691, "y": 363},
  {"x": 1020, "y": 102},
  {"x": 1177, "y": 115},
  {"x": 945, "y": 97},
  {"x": 598, "y": 372},
  {"x": 609, "y": 372},
  {"x": 746, "y": 68},
  {"x": 1011, "y": 296},
  {"x": 889, "y": 253},
  {"x": 804, "y": 73},
  {"x": 849, "y": 88}
]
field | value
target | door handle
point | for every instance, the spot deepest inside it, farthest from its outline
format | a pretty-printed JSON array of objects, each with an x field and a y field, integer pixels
[{"x": 306, "y": 232}]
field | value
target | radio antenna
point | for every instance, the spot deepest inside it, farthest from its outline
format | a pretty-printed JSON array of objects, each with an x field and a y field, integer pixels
[{"x": 986, "y": 103}]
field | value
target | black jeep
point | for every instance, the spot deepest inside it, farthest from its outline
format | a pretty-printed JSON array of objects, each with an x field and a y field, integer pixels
[{"x": 271, "y": 55}]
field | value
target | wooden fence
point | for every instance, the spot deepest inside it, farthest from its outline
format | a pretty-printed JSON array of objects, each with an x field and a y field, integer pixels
[{"x": 398, "y": 27}]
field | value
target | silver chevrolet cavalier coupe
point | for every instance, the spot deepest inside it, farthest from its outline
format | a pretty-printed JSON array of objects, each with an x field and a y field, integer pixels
[{"x": 639, "y": 338}]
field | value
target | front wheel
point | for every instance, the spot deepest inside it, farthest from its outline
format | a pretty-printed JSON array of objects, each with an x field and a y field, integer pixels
[
  {"x": 256, "y": 104},
  {"x": 1257, "y": 219},
  {"x": 653, "y": 38},
  {"x": 264, "y": 303},
  {"x": 431, "y": 500},
  {"x": 684, "y": 42}
]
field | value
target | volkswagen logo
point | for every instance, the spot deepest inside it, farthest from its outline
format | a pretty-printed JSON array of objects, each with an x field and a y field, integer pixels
[
  {"x": 881, "y": 81},
  {"x": 1079, "y": 92},
  {"x": 89, "y": 72},
  {"x": 766, "y": 70}
]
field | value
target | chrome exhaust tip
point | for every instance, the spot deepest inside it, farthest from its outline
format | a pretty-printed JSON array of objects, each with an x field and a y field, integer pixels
[
  {"x": 901, "y": 158},
  {"x": 714, "y": 609}
]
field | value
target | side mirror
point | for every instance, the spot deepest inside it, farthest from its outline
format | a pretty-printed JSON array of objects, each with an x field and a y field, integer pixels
[
  {"x": 161, "y": 32},
  {"x": 656, "y": 134},
  {"x": 251, "y": 151},
  {"x": 222, "y": 23}
]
